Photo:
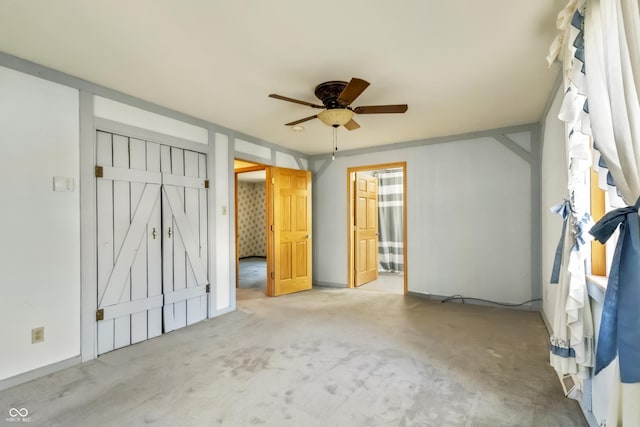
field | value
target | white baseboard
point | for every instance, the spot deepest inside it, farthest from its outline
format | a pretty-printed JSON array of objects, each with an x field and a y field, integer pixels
[
  {"x": 39, "y": 372},
  {"x": 329, "y": 284},
  {"x": 471, "y": 301},
  {"x": 546, "y": 322}
]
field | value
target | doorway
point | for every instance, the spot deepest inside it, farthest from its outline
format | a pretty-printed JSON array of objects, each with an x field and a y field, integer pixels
[
  {"x": 250, "y": 220},
  {"x": 376, "y": 238},
  {"x": 281, "y": 222}
]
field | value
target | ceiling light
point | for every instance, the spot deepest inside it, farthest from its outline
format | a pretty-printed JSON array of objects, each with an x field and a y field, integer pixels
[
  {"x": 297, "y": 128},
  {"x": 336, "y": 116}
]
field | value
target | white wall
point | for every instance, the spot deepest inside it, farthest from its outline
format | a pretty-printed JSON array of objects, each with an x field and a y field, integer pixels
[
  {"x": 554, "y": 189},
  {"x": 468, "y": 219},
  {"x": 123, "y": 113},
  {"x": 40, "y": 244},
  {"x": 224, "y": 293}
]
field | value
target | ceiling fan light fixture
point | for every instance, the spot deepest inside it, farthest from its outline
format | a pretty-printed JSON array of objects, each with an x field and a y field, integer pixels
[{"x": 335, "y": 116}]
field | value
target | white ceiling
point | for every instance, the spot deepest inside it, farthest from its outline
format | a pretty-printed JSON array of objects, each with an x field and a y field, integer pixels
[{"x": 460, "y": 65}]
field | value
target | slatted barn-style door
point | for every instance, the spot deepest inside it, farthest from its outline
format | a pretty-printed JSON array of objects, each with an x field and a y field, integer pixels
[
  {"x": 152, "y": 239},
  {"x": 184, "y": 240}
]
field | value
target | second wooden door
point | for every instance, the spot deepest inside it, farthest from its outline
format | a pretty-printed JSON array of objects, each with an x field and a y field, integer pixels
[
  {"x": 366, "y": 229},
  {"x": 289, "y": 230}
]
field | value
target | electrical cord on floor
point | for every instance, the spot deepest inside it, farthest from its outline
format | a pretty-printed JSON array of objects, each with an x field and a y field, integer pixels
[{"x": 505, "y": 304}]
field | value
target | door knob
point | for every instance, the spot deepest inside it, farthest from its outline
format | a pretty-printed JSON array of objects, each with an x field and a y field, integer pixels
[
  {"x": 154, "y": 233},
  {"x": 169, "y": 232}
]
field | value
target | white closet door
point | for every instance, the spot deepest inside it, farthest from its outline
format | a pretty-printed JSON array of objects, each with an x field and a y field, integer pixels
[
  {"x": 184, "y": 213},
  {"x": 129, "y": 244}
]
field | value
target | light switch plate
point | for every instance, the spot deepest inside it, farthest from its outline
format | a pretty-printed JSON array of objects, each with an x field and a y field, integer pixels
[{"x": 63, "y": 184}]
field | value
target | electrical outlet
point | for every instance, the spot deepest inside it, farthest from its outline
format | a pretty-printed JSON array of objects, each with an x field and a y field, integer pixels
[{"x": 37, "y": 335}]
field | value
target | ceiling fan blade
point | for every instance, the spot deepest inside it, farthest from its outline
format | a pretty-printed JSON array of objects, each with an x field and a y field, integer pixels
[
  {"x": 353, "y": 90},
  {"x": 380, "y": 109},
  {"x": 352, "y": 125},
  {"x": 300, "y": 121},
  {"x": 297, "y": 101}
]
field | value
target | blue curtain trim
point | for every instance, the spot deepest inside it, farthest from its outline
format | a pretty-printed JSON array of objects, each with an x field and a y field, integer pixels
[
  {"x": 581, "y": 227},
  {"x": 620, "y": 323},
  {"x": 563, "y": 209},
  {"x": 601, "y": 162},
  {"x": 577, "y": 20},
  {"x": 562, "y": 351}
]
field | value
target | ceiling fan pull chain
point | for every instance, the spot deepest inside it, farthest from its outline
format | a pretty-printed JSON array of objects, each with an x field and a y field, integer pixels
[{"x": 335, "y": 143}]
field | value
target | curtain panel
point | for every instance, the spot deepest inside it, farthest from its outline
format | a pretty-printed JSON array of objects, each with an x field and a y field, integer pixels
[
  {"x": 572, "y": 338},
  {"x": 610, "y": 56},
  {"x": 612, "y": 52},
  {"x": 390, "y": 221}
]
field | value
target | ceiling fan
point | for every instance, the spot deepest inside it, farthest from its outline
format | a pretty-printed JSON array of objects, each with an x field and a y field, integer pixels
[{"x": 336, "y": 97}]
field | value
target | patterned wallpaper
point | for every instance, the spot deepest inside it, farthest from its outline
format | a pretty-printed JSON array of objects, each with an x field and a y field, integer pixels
[{"x": 252, "y": 239}]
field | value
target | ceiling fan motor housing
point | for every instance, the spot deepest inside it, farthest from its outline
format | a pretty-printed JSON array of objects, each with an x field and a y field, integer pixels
[
  {"x": 336, "y": 97},
  {"x": 328, "y": 93}
]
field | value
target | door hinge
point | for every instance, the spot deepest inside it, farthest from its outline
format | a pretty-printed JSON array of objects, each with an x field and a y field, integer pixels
[
  {"x": 99, "y": 172},
  {"x": 273, "y": 276},
  {"x": 208, "y": 289},
  {"x": 271, "y": 227},
  {"x": 273, "y": 180},
  {"x": 206, "y": 183},
  {"x": 99, "y": 314}
]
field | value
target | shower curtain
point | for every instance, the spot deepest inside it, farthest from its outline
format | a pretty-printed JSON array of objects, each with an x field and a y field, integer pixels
[{"x": 390, "y": 239}]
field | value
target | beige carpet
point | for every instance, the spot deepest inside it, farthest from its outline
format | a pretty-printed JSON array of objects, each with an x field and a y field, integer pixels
[
  {"x": 392, "y": 283},
  {"x": 327, "y": 357}
]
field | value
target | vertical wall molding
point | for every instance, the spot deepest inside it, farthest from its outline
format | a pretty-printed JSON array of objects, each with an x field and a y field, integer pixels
[
  {"x": 536, "y": 216},
  {"x": 213, "y": 248},
  {"x": 88, "y": 240},
  {"x": 231, "y": 212}
]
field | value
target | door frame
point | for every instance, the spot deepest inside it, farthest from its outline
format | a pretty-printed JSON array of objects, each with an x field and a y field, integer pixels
[
  {"x": 351, "y": 171},
  {"x": 90, "y": 125},
  {"x": 256, "y": 167}
]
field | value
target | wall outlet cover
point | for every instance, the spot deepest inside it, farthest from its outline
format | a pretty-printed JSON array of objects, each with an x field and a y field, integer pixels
[{"x": 37, "y": 335}]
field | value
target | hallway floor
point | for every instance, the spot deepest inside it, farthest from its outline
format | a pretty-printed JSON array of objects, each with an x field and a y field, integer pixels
[
  {"x": 392, "y": 283},
  {"x": 253, "y": 273},
  {"x": 324, "y": 357}
]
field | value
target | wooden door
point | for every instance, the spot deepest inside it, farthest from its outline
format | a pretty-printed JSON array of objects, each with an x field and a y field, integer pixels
[
  {"x": 152, "y": 239},
  {"x": 129, "y": 248},
  {"x": 289, "y": 230},
  {"x": 366, "y": 229},
  {"x": 184, "y": 237}
]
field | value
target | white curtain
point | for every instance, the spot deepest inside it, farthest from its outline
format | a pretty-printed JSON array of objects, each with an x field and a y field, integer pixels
[
  {"x": 571, "y": 349},
  {"x": 599, "y": 47},
  {"x": 612, "y": 52},
  {"x": 612, "y": 37}
]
